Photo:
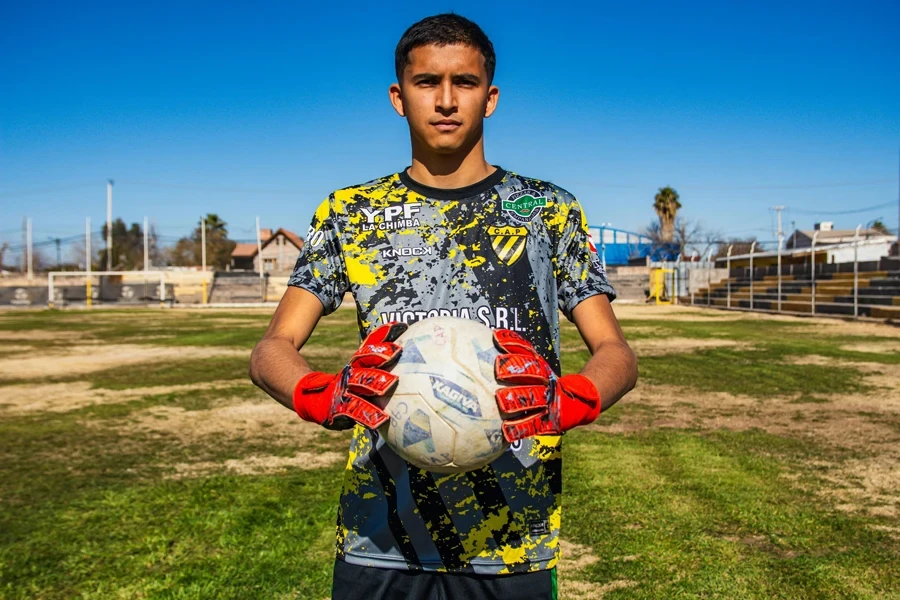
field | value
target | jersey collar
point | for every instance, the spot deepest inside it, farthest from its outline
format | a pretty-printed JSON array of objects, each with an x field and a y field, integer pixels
[{"x": 462, "y": 193}]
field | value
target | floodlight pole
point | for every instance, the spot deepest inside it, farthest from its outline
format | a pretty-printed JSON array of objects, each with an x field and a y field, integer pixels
[
  {"x": 709, "y": 277},
  {"x": 109, "y": 246},
  {"x": 87, "y": 261}
]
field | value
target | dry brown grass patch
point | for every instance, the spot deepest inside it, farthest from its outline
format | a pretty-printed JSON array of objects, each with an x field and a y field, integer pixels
[
  {"x": 77, "y": 360},
  {"x": 258, "y": 465},
  {"x": 65, "y": 397}
]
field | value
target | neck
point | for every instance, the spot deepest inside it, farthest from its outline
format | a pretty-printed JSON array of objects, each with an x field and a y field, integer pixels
[{"x": 449, "y": 171}]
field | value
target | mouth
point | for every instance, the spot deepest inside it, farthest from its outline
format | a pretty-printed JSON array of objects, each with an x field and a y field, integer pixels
[{"x": 447, "y": 125}]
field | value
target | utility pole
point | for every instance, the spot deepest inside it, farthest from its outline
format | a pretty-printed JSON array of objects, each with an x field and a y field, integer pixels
[
  {"x": 24, "y": 244},
  {"x": 29, "y": 250},
  {"x": 87, "y": 261},
  {"x": 146, "y": 246},
  {"x": 262, "y": 290},
  {"x": 778, "y": 210},
  {"x": 109, "y": 246},
  {"x": 203, "y": 242},
  {"x": 58, "y": 255}
]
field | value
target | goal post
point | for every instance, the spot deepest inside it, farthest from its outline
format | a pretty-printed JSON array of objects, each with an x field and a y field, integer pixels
[{"x": 57, "y": 294}]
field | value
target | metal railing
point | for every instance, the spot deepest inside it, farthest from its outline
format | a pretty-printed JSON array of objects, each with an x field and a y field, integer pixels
[{"x": 798, "y": 285}]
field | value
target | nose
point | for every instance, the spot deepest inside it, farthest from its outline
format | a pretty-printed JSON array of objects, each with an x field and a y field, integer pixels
[{"x": 446, "y": 99}]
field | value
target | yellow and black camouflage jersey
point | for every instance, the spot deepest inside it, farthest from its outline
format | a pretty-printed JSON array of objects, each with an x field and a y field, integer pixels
[{"x": 510, "y": 252}]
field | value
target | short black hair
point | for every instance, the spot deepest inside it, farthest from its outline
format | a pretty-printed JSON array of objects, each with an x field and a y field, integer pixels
[{"x": 444, "y": 30}]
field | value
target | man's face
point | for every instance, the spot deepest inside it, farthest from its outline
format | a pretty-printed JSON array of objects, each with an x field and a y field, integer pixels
[{"x": 445, "y": 96}]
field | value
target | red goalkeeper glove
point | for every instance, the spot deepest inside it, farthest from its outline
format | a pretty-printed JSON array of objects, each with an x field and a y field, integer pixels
[
  {"x": 538, "y": 402},
  {"x": 337, "y": 401}
]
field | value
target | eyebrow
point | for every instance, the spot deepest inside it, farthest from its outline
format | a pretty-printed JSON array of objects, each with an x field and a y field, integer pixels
[{"x": 458, "y": 77}]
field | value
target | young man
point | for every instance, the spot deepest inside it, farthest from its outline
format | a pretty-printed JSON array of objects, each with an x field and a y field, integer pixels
[{"x": 450, "y": 235}]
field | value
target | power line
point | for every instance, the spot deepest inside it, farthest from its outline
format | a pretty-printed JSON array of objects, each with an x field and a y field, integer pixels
[
  {"x": 49, "y": 190},
  {"x": 841, "y": 212},
  {"x": 766, "y": 186}
]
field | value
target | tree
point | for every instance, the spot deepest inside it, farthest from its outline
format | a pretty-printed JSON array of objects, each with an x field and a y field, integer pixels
[
  {"x": 740, "y": 246},
  {"x": 686, "y": 236},
  {"x": 188, "y": 251},
  {"x": 128, "y": 246},
  {"x": 879, "y": 226},
  {"x": 666, "y": 205}
]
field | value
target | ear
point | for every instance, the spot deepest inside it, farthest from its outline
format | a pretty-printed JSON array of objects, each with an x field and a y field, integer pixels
[
  {"x": 396, "y": 96},
  {"x": 492, "y": 98}
]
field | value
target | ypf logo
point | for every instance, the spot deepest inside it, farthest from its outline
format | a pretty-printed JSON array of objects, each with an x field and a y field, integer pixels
[
  {"x": 397, "y": 216},
  {"x": 524, "y": 205}
]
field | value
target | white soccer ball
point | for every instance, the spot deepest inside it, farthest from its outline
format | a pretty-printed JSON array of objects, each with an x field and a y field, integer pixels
[{"x": 443, "y": 415}]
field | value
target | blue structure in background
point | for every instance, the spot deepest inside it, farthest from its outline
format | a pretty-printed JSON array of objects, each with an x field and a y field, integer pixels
[{"x": 617, "y": 246}]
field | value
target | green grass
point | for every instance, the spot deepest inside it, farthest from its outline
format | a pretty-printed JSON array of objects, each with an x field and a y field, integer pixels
[
  {"x": 88, "y": 508},
  {"x": 709, "y": 515}
]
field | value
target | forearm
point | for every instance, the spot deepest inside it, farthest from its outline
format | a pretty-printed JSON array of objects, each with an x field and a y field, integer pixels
[
  {"x": 613, "y": 370},
  {"x": 276, "y": 367}
]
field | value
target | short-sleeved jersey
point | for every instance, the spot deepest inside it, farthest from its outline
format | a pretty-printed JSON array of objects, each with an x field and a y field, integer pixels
[{"x": 510, "y": 252}]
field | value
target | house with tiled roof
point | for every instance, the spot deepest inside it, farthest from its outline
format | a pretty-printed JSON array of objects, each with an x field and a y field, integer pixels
[{"x": 280, "y": 250}]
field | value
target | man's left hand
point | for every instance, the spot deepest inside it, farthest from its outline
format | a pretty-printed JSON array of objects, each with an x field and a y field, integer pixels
[{"x": 538, "y": 402}]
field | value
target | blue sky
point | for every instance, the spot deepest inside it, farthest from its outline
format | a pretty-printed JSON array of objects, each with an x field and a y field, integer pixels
[{"x": 263, "y": 108}]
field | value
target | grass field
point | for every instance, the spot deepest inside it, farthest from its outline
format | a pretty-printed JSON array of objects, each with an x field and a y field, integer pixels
[{"x": 759, "y": 457}]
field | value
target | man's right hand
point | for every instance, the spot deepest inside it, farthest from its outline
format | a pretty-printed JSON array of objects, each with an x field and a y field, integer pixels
[{"x": 337, "y": 401}]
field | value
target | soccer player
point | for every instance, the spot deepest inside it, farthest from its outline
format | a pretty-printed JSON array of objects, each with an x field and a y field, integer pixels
[{"x": 450, "y": 235}]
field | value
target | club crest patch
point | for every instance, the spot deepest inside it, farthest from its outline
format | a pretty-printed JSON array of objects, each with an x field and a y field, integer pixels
[
  {"x": 508, "y": 243},
  {"x": 595, "y": 257},
  {"x": 524, "y": 205}
]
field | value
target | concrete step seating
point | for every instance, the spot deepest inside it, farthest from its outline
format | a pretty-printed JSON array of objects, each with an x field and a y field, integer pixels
[
  {"x": 878, "y": 294},
  {"x": 234, "y": 287}
]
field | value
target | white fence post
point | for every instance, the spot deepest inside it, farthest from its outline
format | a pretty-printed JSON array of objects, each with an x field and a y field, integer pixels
[
  {"x": 728, "y": 276},
  {"x": 752, "y": 248},
  {"x": 676, "y": 277},
  {"x": 856, "y": 272},
  {"x": 813, "y": 250},
  {"x": 779, "y": 267}
]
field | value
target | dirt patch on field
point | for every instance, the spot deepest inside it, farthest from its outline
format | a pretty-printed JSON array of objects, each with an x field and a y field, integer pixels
[
  {"x": 76, "y": 360},
  {"x": 40, "y": 335},
  {"x": 259, "y": 465},
  {"x": 266, "y": 419},
  {"x": 875, "y": 347},
  {"x": 657, "y": 347},
  {"x": 325, "y": 352},
  {"x": 65, "y": 397},
  {"x": 671, "y": 313},
  {"x": 869, "y": 485},
  {"x": 850, "y": 421},
  {"x": 575, "y": 558},
  {"x": 863, "y": 329}
]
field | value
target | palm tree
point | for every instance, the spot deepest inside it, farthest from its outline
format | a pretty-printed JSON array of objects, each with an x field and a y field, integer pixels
[
  {"x": 215, "y": 225},
  {"x": 666, "y": 205}
]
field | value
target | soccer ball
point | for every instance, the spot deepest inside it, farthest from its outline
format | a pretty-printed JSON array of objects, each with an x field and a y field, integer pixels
[{"x": 443, "y": 415}]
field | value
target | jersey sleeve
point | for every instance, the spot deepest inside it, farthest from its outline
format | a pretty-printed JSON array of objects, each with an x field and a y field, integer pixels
[
  {"x": 320, "y": 267},
  {"x": 579, "y": 272}
]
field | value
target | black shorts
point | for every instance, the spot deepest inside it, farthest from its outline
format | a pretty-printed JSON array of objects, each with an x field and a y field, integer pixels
[{"x": 352, "y": 582}]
